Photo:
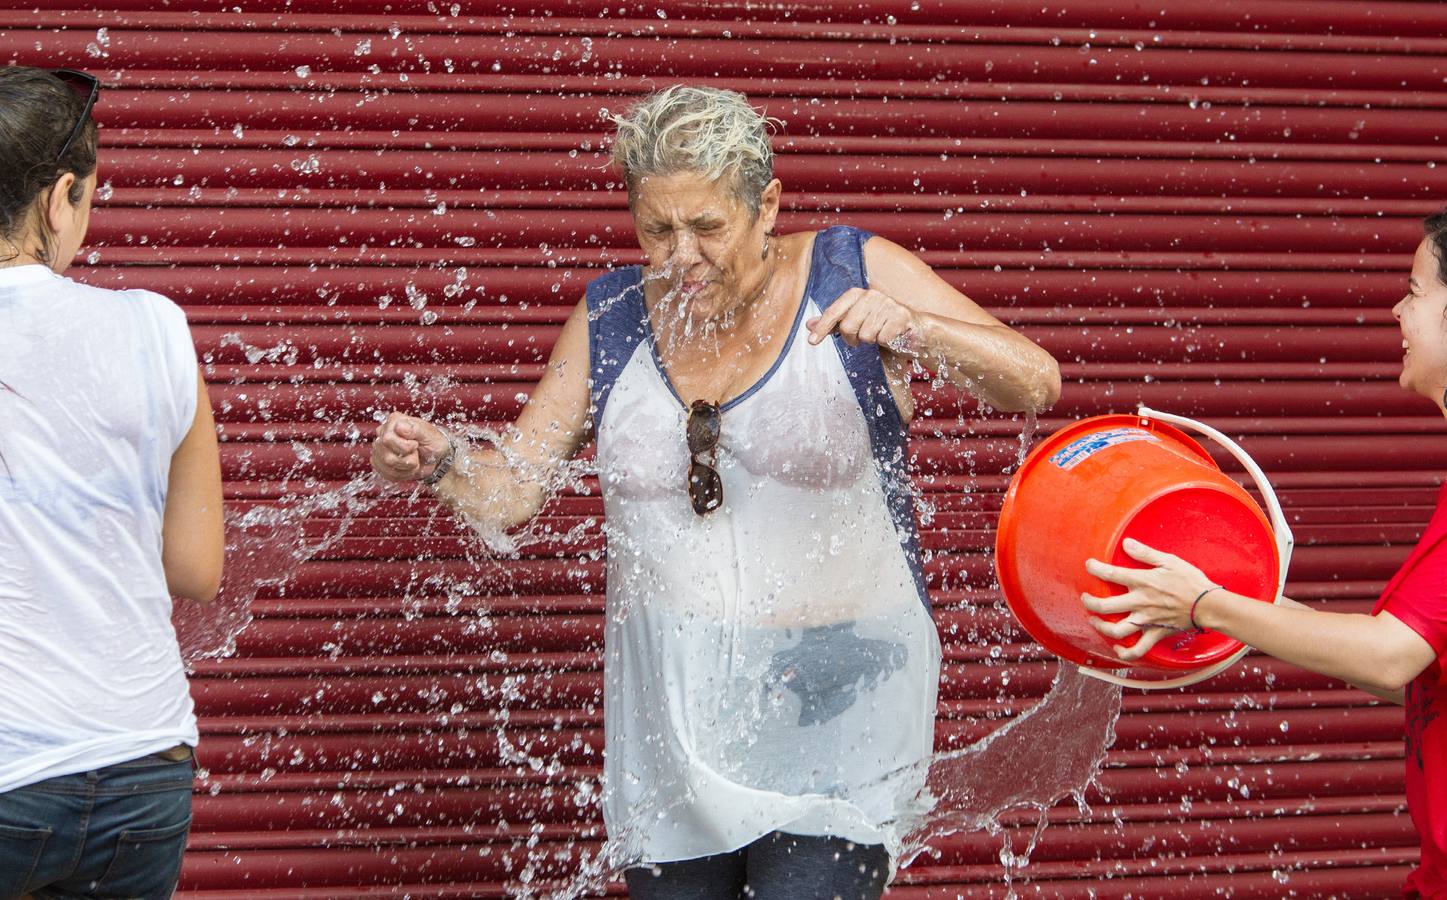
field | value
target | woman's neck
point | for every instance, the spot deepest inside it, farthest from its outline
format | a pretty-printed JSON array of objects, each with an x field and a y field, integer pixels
[
  {"x": 12, "y": 256},
  {"x": 754, "y": 301}
]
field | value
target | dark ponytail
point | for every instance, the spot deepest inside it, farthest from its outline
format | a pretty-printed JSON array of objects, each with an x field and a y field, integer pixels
[{"x": 38, "y": 111}]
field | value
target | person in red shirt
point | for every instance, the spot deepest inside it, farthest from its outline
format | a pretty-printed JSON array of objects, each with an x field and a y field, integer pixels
[{"x": 1396, "y": 653}]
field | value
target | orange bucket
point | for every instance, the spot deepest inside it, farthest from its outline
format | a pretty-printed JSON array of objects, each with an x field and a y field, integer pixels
[{"x": 1081, "y": 492}]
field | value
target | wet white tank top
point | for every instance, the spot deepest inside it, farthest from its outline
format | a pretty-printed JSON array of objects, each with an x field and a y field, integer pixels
[
  {"x": 773, "y": 664},
  {"x": 102, "y": 388}
]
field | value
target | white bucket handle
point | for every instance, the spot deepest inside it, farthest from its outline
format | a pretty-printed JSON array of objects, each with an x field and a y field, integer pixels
[{"x": 1284, "y": 543}]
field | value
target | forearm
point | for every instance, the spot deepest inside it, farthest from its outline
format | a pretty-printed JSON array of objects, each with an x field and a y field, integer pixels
[
  {"x": 1005, "y": 369},
  {"x": 1341, "y": 645},
  {"x": 490, "y": 493}
]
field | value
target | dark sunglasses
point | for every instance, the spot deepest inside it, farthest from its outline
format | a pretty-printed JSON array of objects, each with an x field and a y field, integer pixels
[
  {"x": 87, "y": 87},
  {"x": 705, "y": 485}
]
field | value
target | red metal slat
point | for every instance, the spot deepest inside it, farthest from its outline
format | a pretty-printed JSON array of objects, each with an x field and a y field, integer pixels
[
  {"x": 1378, "y": 407},
  {"x": 1290, "y": 16},
  {"x": 873, "y": 145},
  {"x": 388, "y": 110},
  {"x": 1049, "y": 292},
  {"x": 961, "y": 171},
  {"x": 931, "y": 231},
  {"x": 443, "y": 343},
  {"x": 684, "y": 57}
]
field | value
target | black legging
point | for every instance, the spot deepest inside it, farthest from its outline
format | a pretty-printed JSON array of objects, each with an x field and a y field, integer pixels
[{"x": 777, "y": 866}]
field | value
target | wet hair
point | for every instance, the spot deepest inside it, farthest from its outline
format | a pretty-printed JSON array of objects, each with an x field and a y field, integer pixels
[
  {"x": 696, "y": 129},
  {"x": 38, "y": 111},
  {"x": 1435, "y": 227}
]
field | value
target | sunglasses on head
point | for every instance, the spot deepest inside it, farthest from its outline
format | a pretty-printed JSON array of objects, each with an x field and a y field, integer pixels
[
  {"x": 705, "y": 485},
  {"x": 87, "y": 87}
]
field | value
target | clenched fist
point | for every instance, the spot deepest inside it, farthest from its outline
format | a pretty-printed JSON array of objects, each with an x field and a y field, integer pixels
[{"x": 407, "y": 448}]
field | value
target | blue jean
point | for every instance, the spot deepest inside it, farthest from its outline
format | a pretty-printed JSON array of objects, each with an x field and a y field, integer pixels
[
  {"x": 118, "y": 832},
  {"x": 777, "y": 866}
]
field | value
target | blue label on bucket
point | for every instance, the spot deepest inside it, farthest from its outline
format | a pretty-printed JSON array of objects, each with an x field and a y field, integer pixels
[{"x": 1081, "y": 449}]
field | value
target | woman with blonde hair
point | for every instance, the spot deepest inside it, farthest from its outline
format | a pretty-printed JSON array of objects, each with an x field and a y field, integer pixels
[
  {"x": 770, "y": 668},
  {"x": 110, "y": 502}
]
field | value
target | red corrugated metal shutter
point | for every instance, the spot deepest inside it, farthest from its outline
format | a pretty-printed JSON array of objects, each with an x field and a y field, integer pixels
[{"x": 1208, "y": 207}]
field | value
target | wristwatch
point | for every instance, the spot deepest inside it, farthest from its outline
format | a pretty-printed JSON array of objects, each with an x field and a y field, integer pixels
[{"x": 444, "y": 465}]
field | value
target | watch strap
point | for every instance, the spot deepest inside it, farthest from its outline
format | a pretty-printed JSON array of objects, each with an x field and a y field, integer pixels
[{"x": 443, "y": 465}]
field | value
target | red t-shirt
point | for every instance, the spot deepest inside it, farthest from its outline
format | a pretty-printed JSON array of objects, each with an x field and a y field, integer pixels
[{"x": 1417, "y": 595}]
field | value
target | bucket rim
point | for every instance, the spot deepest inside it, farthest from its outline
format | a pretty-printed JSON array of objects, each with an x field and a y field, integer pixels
[{"x": 1070, "y": 432}]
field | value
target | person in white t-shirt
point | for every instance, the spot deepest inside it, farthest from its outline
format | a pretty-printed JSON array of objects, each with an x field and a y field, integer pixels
[{"x": 110, "y": 503}]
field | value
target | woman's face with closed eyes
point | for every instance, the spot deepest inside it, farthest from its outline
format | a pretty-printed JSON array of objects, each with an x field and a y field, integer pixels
[{"x": 705, "y": 243}]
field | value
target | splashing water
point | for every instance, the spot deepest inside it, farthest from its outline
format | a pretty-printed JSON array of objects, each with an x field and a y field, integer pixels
[
  {"x": 265, "y": 546},
  {"x": 1048, "y": 753},
  {"x": 666, "y": 273},
  {"x": 677, "y": 325},
  {"x": 1027, "y": 437}
]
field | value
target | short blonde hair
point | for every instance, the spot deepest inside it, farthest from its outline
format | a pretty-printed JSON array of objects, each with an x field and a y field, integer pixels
[{"x": 696, "y": 129}]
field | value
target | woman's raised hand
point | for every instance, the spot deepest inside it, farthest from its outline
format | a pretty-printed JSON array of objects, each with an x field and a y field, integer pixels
[
  {"x": 866, "y": 316},
  {"x": 407, "y": 448},
  {"x": 1158, "y": 599}
]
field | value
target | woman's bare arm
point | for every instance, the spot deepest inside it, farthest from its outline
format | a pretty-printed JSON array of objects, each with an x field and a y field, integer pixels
[
  {"x": 960, "y": 340},
  {"x": 193, "y": 536},
  {"x": 1379, "y": 654}
]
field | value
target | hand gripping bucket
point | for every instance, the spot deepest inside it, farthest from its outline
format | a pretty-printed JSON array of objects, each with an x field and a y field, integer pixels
[{"x": 1088, "y": 487}]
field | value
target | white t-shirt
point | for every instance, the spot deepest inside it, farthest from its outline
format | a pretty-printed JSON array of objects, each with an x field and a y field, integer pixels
[{"x": 97, "y": 390}]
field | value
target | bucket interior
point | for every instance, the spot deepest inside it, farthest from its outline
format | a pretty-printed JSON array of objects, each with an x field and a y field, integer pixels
[{"x": 1224, "y": 535}]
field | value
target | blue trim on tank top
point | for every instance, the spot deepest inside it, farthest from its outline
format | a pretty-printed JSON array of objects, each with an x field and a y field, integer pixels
[
  {"x": 888, "y": 432},
  {"x": 778, "y": 361},
  {"x": 615, "y": 313}
]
